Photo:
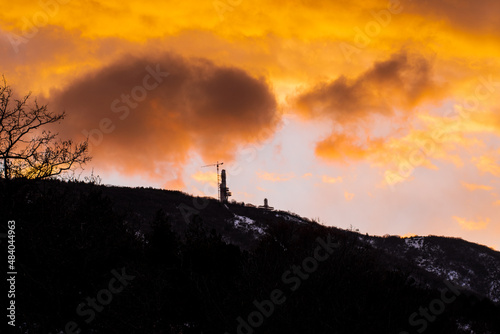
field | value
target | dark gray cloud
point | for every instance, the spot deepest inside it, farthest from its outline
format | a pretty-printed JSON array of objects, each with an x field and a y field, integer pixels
[
  {"x": 142, "y": 111},
  {"x": 397, "y": 83},
  {"x": 477, "y": 16}
]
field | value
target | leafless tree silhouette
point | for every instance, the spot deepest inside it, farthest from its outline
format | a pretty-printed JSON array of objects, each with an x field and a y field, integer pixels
[{"x": 28, "y": 151}]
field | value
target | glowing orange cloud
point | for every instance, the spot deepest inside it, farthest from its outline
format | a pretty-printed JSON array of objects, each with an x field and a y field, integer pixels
[
  {"x": 205, "y": 177},
  {"x": 348, "y": 196},
  {"x": 487, "y": 164},
  {"x": 329, "y": 179},
  {"x": 275, "y": 177},
  {"x": 471, "y": 225},
  {"x": 472, "y": 187}
]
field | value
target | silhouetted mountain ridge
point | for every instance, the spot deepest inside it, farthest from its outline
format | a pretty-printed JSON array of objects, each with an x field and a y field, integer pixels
[
  {"x": 469, "y": 265},
  {"x": 199, "y": 266}
]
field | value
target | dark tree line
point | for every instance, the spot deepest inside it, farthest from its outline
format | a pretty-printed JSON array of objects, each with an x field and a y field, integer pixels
[{"x": 70, "y": 238}]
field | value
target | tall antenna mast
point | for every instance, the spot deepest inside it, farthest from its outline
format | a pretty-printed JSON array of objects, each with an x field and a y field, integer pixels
[{"x": 218, "y": 182}]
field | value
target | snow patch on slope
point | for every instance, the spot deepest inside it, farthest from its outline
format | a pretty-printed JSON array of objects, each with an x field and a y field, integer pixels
[
  {"x": 248, "y": 224},
  {"x": 291, "y": 218},
  {"x": 415, "y": 242},
  {"x": 452, "y": 276},
  {"x": 494, "y": 291}
]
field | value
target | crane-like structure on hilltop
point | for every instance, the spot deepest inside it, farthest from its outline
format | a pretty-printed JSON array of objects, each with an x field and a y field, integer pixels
[{"x": 218, "y": 183}]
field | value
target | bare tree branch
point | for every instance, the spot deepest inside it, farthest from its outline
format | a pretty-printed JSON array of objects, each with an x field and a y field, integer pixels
[{"x": 23, "y": 153}]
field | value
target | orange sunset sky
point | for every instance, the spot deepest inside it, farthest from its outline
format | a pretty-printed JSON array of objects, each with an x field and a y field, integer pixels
[{"x": 383, "y": 115}]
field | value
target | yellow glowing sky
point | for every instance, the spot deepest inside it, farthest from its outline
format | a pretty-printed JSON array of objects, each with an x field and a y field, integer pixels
[{"x": 384, "y": 115}]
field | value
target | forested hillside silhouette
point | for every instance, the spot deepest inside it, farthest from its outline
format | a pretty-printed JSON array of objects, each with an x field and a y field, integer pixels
[{"x": 189, "y": 278}]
